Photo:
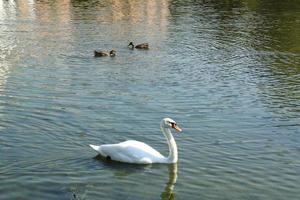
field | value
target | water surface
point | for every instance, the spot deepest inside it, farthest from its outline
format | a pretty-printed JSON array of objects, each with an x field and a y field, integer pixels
[{"x": 228, "y": 73}]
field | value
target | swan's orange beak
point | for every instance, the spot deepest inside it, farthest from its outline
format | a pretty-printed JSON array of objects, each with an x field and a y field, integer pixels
[{"x": 176, "y": 127}]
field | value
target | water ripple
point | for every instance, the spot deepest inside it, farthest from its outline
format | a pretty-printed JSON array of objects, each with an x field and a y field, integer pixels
[{"x": 227, "y": 72}]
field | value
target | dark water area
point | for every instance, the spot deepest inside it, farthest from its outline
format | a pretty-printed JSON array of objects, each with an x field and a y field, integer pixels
[{"x": 227, "y": 71}]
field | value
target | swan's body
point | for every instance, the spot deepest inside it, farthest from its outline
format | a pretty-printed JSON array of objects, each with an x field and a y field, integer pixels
[{"x": 132, "y": 151}]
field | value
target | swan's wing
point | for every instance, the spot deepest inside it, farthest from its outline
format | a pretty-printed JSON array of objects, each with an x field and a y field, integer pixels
[{"x": 131, "y": 151}]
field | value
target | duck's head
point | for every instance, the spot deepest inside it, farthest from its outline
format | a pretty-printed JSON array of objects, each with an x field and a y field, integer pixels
[
  {"x": 112, "y": 53},
  {"x": 131, "y": 44},
  {"x": 170, "y": 123}
]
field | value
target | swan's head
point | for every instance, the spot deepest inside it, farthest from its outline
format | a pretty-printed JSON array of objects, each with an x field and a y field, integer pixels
[{"x": 170, "y": 123}]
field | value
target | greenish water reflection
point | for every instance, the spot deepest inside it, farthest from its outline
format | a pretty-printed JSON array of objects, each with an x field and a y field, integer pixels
[{"x": 123, "y": 170}]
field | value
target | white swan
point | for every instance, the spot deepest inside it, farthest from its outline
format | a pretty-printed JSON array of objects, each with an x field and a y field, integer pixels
[{"x": 133, "y": 151}]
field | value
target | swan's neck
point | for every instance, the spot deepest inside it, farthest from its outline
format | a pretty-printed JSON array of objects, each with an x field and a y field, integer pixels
[{"x": 173, "y": 154}]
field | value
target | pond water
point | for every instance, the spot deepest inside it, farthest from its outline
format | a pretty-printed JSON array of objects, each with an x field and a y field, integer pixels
[{"x": 228, "y": 73}]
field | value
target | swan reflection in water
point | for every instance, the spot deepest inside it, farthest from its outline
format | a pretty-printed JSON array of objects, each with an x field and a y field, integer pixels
[
  {"x": 168, "y": 193},
  {"x": 124, "y": 169}
]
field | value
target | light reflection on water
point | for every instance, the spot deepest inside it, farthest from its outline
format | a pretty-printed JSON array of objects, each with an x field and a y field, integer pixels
[{"x": 227, "y": 72}]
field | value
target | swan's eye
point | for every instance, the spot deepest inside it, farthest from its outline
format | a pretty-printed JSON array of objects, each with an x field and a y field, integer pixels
[{"x": 174, "y": 125}]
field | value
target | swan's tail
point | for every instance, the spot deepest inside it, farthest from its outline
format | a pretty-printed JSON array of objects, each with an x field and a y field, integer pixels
[{"x": 96, "y": 148}]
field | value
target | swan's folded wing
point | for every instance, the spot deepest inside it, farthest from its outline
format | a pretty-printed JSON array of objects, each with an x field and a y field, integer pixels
[{"x": 131, "y": 151}]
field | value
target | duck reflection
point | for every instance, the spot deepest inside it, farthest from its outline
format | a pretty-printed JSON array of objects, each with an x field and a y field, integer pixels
[{"x": 125, "y": 169}]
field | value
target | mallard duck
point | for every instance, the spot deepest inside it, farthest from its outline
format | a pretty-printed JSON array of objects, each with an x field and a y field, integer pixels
[
  {"x": 112, "y": 53},
  {"x": 139, "y": 46}
]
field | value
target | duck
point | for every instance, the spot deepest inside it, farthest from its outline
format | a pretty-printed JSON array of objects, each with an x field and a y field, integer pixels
[
  {"x": 139, "y": 46},
  {"x": 136, "y": 152},
  {"x": 111, "y": 53}
]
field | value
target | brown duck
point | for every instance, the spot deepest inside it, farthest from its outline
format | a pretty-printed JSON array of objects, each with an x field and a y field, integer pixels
[
  {"x": 112, "y": 53},
  {"x": 139, "y": 46}
]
